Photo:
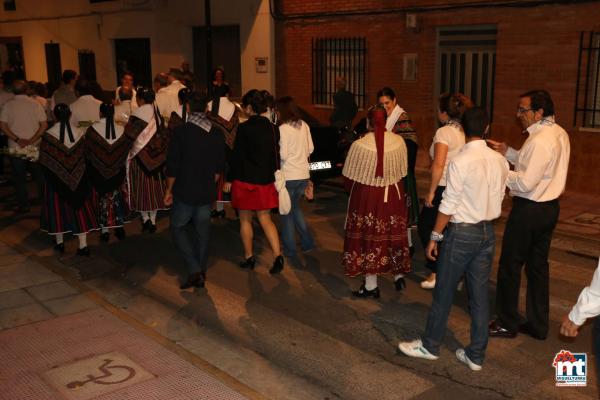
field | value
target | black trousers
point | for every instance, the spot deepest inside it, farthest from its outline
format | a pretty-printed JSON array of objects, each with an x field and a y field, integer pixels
[
  {"x": 427, "y": 221},
  {"x": 526, "y": 242},
  {"x": 596, "y": 339}
]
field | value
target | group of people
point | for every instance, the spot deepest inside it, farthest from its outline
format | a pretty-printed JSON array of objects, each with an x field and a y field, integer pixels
[{"x": 192, "y": 151}]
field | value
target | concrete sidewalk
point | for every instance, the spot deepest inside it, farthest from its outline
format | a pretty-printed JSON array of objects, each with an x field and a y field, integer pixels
[{"x": 61, "y": 342}]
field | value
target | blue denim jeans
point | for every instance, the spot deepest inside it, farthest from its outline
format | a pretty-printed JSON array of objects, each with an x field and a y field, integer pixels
[
  {"x": 295, "y": 221},
  {"x": 194, "y": 248},
  {"x": 468, "y": 250}
]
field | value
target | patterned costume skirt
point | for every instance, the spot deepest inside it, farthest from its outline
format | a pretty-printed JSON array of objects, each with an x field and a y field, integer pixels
[
  {"x": 412, "y": 199},
  {"x": 147, "y": 191},
  {"x": 58, "y": 216},
  {"x": 376, "y": 240},
  {"x": 112, "y": 209}
]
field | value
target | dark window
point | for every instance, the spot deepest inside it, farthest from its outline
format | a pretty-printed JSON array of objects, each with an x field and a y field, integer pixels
[
  {"x": 133, "y": 55},
  {"x": 87, "y": 64},
  {"x": 53, "y": 66},
  {"x": 333, "y": 57},
  {"x": 587, "y": 97},
  {"x": 10, "y": 5}
]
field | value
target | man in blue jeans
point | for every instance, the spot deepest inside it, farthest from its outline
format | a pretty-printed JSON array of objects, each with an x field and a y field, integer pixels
[
  {"x": 476, "y": 180},
  {"x": 195, "y": 158}
]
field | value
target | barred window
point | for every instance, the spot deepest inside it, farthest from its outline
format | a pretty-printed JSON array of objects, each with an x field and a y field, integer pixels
[
  {"x": 587, "y": 96},
  {"x": 343, "y": 57}
]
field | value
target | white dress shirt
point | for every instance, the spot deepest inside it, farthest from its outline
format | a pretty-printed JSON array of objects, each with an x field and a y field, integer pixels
[
  {"x": 475, "y": 185},
  {"x": 588, "y": 305},
  {"x": 122, "y": 112},
  {"x": 5, "y": 97},
  {"x": 23, "y": 116},
  {"x": 133, "y": 97},
  {"x": 85, "y": 108},
  {"x": 295, "y": 146},
  {"x": 542, "y": 164},
  {"x": 170, "y": 102},
  {"x": 453, "y": 137}
]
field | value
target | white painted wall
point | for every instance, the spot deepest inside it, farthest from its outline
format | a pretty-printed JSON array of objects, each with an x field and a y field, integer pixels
[{"x": 77, "y": 24}]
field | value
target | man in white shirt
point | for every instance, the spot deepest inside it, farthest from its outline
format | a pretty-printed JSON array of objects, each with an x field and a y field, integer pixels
[
  {"x": 23, "y": 121},
  {"x": 6, "y": 94},
  {"x": 588, "y": 306},
  {"x": 126, "y": 82},
  {"x": 476, "y": 180},
  {"x": 163, "y": 97},
  {"x": 536, "y": 183},
  {"x": 171, "y": 101},
  {"x": 86, "y": 108},
  {"x": 65, "y": 94}
]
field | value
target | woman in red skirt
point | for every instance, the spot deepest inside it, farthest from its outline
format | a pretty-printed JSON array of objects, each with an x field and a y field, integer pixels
[
  {"x": 376, "y": 240},
  {"x": 252, "y": 176}
]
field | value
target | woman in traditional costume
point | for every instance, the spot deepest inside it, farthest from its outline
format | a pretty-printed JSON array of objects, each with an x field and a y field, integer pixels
[
  {"x": 447, "y": 142},
  {"x": 399, "y": 123},
  {"x": 145, "y": 177},
  {"x": 179, "y": 116},
  {"x": 225, "y": 116},
  {"x": 376, "y": 223},
  {"x": 253, "y": 164},
  {"x": 106, "y": 152},
  {"x": 69, "y": 201}
]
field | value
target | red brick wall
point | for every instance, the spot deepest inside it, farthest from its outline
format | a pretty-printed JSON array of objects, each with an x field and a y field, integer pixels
[{"x": 536, "y": 48}]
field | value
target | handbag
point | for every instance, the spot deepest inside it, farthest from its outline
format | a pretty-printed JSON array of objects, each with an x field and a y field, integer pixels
[
  {"x": 285, "y": 203},
  {"x": 309, "y": 190}
]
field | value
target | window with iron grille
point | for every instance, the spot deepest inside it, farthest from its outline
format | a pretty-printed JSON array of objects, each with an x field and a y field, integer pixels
[
  {"x": 587, "y": 97},
  {"x": 333, "y": 57}
]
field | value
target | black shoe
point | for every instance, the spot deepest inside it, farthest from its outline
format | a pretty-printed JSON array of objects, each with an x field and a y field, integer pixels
[
  {"x": 277, "y": 265},
  {"x": 60, "y": 247},
  {"x": 194, "y": 280},
  {"x": 105, "y": 237},
  {"x": 217, "y": 214},
  {"x": 120, "y": 233},
  {"x": 400, "y": 284},
  {"x": 528, "y": 330},
  {"x": 84, "y": 252},
  {"x": 497, "y": 330},
  {"x": 151, "y": 228},
  {"x": 249, "y": 263},
  {"x": 146, "y": 226},
  {"x": 411, "y": 251},
  {"x": 364, "y": 293}
]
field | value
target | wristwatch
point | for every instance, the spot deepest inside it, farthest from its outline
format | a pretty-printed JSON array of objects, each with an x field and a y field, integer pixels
[{"x": 436, "y": 237}]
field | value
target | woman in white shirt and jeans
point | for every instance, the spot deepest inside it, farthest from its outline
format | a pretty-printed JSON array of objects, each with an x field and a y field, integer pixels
[
  {"x": 295, "y": 146},
  {"x": 447, "y": 142}
]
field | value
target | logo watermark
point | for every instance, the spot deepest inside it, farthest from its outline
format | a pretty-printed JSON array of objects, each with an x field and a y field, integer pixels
[{"x": 571, "y": 368}]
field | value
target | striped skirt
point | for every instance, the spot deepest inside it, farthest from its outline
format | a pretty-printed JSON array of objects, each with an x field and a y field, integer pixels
[
  {"x": 57, "y": 216},
  {"x": 147, "y": 192},
  {"x": 112, "y": 209}
]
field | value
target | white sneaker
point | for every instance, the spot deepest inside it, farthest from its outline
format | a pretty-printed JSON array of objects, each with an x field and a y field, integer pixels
[
  {"x": 416, "y": 349},
  {"x": 462, "y": 357},
  {"x": 460, "y": 286},
  {"x": 428, "y": 284}
]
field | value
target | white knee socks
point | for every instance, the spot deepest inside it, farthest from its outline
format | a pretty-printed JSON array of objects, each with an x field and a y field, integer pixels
[
  {"x": 82, "y": 240},
  {"x": 220, "y": 206},
  {"x": 410, "y": 237},
  {"x": 398, "y": 276},
  {"x": 59, "y": 238},
  {"x": 370, "y": 281},
  {"x": 104, "y": 230},
  {"x": 145, "y": 215},
  {"x": 152, "y": 215}
]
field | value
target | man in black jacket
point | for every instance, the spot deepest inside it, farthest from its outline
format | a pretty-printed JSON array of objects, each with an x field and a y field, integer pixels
[{"x": 195, "y": 158}]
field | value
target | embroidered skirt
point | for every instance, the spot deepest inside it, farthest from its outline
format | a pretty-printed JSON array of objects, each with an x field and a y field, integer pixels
[
  {"x": 248, "y": 196},
  {"x": 57, "y": 216},
  {"x": 376, "y": 240},
  {"x": 112, "y": 209},
  {"x": 147, "y": 192}
]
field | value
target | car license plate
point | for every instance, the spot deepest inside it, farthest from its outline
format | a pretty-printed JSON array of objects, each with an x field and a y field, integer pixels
[{"x": 320, "y": 165}]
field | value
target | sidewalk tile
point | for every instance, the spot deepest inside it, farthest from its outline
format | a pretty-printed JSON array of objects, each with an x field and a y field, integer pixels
[
  {"x": 24, "y": 274},
  {"x": 52, "y": 290},
  {"x": 12, "y": 317},
  {"x": 70, "y": 305},
  {"x": 15, "y": 298}
]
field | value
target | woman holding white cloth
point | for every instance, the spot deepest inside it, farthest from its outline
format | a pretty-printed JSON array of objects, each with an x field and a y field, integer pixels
[{"x": 295, "y": 147}]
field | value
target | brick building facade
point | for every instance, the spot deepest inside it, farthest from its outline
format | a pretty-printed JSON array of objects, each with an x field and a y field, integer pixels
[{"x": 537, "y": 45}]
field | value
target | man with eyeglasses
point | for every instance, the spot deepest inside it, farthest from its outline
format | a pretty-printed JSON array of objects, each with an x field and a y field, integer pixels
[{"x": 536, "y": 183}]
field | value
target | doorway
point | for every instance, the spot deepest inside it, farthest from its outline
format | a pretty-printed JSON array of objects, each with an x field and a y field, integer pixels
[
  {"x": 466, "y": 63},
  {"x": 11, "y": 56},
  {"x": 133, "y": 55},
  {"x": 225, "y": 54}
]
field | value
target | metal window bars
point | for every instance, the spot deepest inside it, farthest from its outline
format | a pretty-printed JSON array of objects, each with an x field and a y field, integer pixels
[
  {"x": 333, "y": 57},
  {"x": 587, "y": 94}
]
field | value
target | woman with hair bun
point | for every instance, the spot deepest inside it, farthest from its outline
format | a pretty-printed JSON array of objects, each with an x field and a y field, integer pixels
[
  {"x": 145, "y": 176},
  {"x": 69, "y": 201},
  {"x": 253, "y": 164},
  {"x": 106, "y": 152},
  {"x": 447, "y": 142}
]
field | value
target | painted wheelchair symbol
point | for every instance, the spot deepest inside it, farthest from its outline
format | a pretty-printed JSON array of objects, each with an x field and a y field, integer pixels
[{"x": 106, "y": 373}]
